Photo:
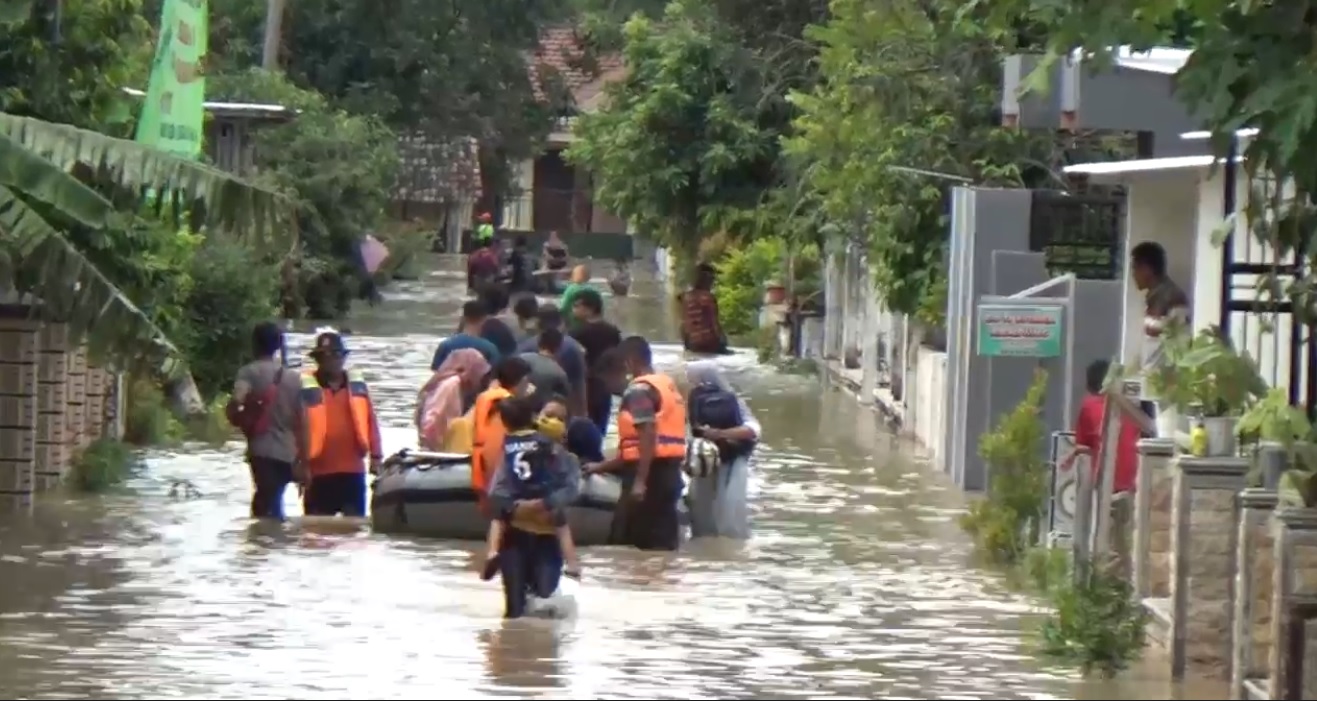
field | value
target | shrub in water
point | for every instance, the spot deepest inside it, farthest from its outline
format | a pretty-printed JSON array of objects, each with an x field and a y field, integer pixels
[
  {"x": 103, "y": 465},
  {"x": 1098, "y": 623}
]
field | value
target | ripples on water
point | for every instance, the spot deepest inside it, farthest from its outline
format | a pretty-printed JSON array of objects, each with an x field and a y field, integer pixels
[{"x": 856, "y": 584}]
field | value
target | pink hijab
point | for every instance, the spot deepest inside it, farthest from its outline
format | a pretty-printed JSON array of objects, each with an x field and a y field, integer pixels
[{"x": 440, "y": 400}]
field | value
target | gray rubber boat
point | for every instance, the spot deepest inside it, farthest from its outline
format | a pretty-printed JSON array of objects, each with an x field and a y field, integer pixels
[{"x": 430, "y": 494}]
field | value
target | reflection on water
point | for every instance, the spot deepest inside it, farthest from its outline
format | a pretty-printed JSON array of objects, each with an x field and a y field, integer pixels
[{"x": 856, "y": 585}]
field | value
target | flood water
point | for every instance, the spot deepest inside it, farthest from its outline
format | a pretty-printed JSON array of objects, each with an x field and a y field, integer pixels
[{"x": 857, "y": 583}]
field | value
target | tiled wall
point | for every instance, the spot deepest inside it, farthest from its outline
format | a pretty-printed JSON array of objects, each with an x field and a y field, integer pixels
[{"x": 53, "y": 403}]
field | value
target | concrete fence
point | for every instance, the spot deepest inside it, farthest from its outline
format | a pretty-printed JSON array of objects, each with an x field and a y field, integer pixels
[
  {"x": 1227, "y": 575},
  {"x": 53, "y": 403}
]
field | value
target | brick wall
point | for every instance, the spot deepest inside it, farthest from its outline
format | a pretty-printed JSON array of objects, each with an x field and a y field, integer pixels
[
  {"x": 1152, "y": 520},
  {"x": 1203, "y": 534},
  {"x": 1295, "y": 577},
  {"x": 53, "y": 403},
  {"x": 1251, "y": 624}
]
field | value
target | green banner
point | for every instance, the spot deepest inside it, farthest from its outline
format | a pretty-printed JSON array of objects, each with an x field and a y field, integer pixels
[
  {"x": 1021, "y": 329},
  {"x": 174, "y": 113}
]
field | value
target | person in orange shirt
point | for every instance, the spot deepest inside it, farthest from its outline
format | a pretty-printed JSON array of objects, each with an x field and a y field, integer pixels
[
  {"x": 487, "y": 432},
  {"x": 339, "y": 429}
]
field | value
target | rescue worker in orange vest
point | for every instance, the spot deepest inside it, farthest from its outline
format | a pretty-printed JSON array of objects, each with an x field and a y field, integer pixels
[
  {"x": 487, "y": 431},
  {"x": 651, "y": 430},
  {"x": 338, "y": 430}
]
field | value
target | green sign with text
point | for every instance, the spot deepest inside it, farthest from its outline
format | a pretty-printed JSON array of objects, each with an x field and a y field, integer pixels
[{"x": 1020, "y": 329}]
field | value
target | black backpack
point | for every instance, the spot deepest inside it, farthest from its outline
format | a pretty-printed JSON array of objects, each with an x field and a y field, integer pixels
[{"x": 712, "y": 406}]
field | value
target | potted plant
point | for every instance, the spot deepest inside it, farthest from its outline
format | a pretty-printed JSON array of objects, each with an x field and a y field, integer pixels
[
  {"x": 1219, "y": 384},
  {"x": 1163, "y": 383},
  {"x": 1276, "y": 422}
]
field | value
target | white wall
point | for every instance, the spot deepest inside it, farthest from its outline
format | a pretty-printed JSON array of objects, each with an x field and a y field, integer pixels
[
  {"x": 929, "y": 421},
  {"x": 1183, "y": 211},
  {"x": 1161, "y": 207}
]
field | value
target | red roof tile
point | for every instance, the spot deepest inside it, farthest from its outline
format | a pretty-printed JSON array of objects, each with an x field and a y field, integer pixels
[{"x": 561, "y": 55}]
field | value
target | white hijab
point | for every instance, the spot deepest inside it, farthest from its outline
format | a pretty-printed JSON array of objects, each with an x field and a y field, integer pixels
[{"x": 708, "y": 372}]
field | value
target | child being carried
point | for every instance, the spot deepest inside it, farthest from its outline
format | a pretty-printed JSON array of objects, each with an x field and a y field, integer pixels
[{"x": 536, "y": 471}]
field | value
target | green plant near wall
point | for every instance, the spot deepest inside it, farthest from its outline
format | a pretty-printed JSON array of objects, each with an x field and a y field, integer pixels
[
  {"x": 1006, "y": 523},
  {"x": 744, "y": 269},
  {"x": 103, "y": 465},
  {"x": 1098, "y": 622}
]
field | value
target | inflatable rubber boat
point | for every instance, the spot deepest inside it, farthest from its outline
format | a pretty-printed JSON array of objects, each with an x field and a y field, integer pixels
[{"x": 430, "y": 494}]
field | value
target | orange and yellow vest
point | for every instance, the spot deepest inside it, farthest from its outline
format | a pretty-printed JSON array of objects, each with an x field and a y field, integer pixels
[
  {"x": 670, "y": 424},
  {"x": 313, "y": 412},
  {"x": 487, "y": 435}
]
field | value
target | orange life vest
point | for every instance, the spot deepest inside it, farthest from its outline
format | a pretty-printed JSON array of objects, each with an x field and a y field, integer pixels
[
  {"x": 313, "y": 412},
  {"x": 487, "y": 435},
  {"x": 670, "y": 424}
]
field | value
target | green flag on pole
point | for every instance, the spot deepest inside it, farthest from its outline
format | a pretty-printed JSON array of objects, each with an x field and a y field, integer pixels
[{"x": 173, "y": 113}]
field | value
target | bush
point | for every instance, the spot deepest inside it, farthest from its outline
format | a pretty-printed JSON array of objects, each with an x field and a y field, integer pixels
[
  {"x": 1006, "y": 523},
  {"x": 341, "y": 167},
  {"x": 232, "y": 290},
  {"x": 147, "y": 417},
  {"x": 1099, "y": 623},
  {"x": 743, "y": 271},
  {"x": 104, "y": 464}
]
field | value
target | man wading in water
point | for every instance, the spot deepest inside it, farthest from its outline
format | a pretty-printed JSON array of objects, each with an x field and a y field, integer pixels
[
  {"x": 651, "y": 431},
  {"x": 264, "y": 407}
]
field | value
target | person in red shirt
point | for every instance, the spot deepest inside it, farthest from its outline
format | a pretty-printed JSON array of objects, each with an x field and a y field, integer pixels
[{"x": 1088, "y": 430}]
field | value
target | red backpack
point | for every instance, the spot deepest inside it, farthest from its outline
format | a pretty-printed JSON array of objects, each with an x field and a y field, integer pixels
[{"x": 252, "y": 415}]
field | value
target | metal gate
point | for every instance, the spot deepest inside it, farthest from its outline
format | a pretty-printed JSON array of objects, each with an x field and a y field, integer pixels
[{"x": 1079, "y": 233}]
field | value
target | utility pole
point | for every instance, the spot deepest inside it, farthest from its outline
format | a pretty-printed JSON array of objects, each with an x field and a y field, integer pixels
[{"x": 274, "y": 20}]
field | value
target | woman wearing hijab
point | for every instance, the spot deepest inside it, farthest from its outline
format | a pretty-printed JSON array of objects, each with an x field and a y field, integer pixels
[
  {"x": 441, "y": 402},
  {"x": 718, "y": 501}
]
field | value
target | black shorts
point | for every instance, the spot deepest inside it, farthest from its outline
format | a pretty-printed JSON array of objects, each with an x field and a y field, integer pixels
[
  {"x": 650, "y": 523},
  {"x": 270, "y": 478},
  {"x": 339, "y": 493}
]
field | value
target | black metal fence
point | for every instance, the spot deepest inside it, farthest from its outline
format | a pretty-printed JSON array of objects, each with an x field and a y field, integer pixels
[{"x": 1079, "y": 233}]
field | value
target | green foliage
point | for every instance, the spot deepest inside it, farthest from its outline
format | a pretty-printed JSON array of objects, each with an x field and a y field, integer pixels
[
  {"x": 103, "y": 465},
  {"x": 232, "y": 289},
  {"x": 341, "y": 169},
  {"x": 677, "y": 148},
  {"x": 1099, "y": 622},
  {"x": 1006, "y": 523},
  {"x": 103, "y": 47},
  {"x": 744, "y": 269},
  {"x": 1274, "y": 419},
  {"x": 1205, "y": 372},
  {"x": 452, "y": 70},
  {"x": 148, "y": 419},
  {"x": 904, "y": 85}
]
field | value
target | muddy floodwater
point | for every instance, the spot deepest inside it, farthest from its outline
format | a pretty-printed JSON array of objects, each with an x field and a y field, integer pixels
[{"x": 857, "y": 583}]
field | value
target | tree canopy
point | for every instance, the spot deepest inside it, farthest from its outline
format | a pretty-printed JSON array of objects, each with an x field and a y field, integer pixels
[{"x": 677, "y": 146}]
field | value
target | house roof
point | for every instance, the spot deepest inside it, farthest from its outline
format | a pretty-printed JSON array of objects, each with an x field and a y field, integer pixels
[
  {"x": 1205, "y": 135},
  {"x": 436, "y": 171},
  {"x": 561, "y": 54},
  {"x": 1158, "y": 59},
  {"x": 1118, "y": 172},
  {"x": 237, "y": 109}
]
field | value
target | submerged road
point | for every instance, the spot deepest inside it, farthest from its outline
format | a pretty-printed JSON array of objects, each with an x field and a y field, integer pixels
[{"x": 857, "y": 583}]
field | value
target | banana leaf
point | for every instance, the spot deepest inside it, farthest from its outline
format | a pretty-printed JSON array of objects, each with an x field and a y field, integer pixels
[
  {"x": 253, "y": 214},
  {"x": 36, "y": 160}
]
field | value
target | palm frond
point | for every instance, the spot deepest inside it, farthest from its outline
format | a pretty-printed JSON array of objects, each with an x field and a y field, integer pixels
[
  {"x": 71, "y": 290},
  {"x": 230, "y": 203}
]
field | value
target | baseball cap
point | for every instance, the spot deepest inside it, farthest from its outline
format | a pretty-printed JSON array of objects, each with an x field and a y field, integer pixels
[{"x": 329, "y": 342}]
